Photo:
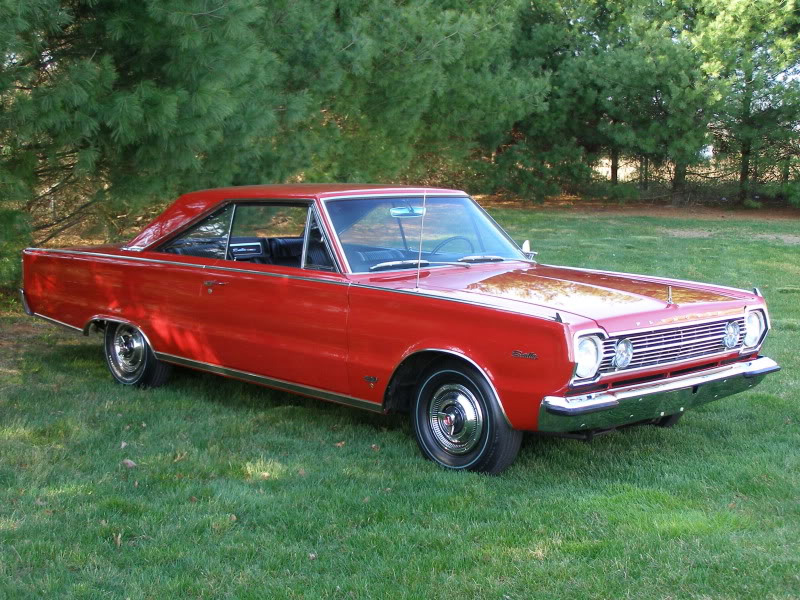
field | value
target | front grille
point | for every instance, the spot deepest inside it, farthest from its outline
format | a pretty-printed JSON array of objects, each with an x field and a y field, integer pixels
[{"x": 651, "y": 348}]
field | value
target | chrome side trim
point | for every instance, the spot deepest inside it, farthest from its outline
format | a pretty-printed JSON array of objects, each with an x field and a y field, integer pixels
[
  {"x": 651, "y": 400},
  {"x": 185, "y": 264},
  {"x": 465, "y": 358},
  {"x": 446, "y": 299},
  {"x": 284, "y": 276},
  {"x": 57, "y": 322},
  {"x": 24, "y": 301},
  {"x": 271, "y": 382}
]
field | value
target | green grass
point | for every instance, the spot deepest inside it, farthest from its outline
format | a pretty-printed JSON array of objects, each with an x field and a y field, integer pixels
[{"x": 240, "y": 492}]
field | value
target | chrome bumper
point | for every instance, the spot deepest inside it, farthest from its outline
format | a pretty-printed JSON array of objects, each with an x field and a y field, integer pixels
[
  {"x": 641, "y": 402},
  {"x": 24, "y": 301}
]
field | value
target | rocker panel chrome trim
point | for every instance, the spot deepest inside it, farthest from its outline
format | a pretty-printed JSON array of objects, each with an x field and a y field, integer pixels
[
  {"x": 271, "y": 382},
  {"x": 57, "y": 322}
]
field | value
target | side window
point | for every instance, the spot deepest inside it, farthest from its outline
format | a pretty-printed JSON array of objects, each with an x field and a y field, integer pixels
[
  {"x": 206, "y": 239},
  {"x": 270, "y": 234}
]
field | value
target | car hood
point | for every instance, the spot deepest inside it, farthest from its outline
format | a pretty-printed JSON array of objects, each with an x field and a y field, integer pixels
[{"x": 593, "y": 295}]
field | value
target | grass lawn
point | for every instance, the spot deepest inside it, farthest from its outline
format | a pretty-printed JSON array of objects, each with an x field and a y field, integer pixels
[{"x": 242, "y": 492}]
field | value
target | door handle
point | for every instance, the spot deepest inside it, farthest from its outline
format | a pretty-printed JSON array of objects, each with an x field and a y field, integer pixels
[{"x": 211, "y": 282}]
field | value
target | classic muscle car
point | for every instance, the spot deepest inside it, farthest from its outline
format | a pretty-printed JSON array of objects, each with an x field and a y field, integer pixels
[{"x": 401, "y": 299}]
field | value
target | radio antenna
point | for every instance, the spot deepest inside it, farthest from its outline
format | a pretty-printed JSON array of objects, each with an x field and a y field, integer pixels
[{"x": 421, "y": 229}]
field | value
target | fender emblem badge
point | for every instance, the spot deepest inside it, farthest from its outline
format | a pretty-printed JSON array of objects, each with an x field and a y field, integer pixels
[{"x": 521, "y": 354}]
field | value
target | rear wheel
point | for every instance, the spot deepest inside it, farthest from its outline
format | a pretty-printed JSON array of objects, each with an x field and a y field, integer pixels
[
  {"x": 130, "y": 358},
  {"x": 458, "y": 421}
]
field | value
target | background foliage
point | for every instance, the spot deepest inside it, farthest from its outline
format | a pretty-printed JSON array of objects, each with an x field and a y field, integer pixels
[{"x": 110, "y": 108}]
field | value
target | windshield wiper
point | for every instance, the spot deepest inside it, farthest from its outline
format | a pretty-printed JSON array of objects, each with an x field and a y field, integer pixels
[
  {"x": 399, "y": 264},
  {"x": 480, "y": 258}
]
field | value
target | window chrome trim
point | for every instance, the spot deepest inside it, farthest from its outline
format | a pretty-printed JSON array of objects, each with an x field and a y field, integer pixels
[
  {"x": 306, "y": 233},
  {"x": 454, "y": 194},
  {"x": 228, "y": 237},
  {"x": 272, "y": 382}
]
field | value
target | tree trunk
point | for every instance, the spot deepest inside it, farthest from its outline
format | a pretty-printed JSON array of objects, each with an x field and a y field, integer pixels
[
  {"x": 744, "y": 172},
  {"x": 679, "y": 184},
  {"x": 644, "y": 174},
  {"x": 785, "y": 172},
  {"x": 614, "y": 166}
]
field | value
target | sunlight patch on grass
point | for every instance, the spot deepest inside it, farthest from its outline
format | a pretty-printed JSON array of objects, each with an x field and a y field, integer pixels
[{"x": 263, "y": 469}]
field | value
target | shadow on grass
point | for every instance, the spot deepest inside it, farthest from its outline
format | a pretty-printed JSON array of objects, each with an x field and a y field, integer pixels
[{"x": 80, "y": 360}]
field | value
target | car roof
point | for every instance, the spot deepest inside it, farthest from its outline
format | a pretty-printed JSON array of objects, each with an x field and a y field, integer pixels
[{"x": 189, "y": 207}]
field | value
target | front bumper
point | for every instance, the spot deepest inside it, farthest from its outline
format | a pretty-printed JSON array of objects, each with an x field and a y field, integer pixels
[{"x": 645, "y": 401}]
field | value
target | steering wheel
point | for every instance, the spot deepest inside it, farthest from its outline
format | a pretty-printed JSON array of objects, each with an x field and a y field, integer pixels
[{"x": 444, "y": 243}]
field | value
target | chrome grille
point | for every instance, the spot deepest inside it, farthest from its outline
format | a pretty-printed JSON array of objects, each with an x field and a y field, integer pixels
[{"x": 651, "y": 348}]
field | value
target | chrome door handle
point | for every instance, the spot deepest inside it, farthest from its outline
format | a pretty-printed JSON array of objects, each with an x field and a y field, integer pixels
[{"x": 211, "y": 282}]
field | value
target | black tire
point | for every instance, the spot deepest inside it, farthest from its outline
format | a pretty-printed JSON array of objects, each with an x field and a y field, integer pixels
[
  {"x": 130, "y": 358},
  {"x": 668, "y": 420},
  {"x": 458, "y": 421}
]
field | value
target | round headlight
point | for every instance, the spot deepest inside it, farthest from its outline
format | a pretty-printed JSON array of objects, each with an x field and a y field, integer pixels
[
  {"x": 623, "y": 353},
  {"x": 731, "y": 337},
  {"x": 754, "y": 327},
  {"x": 587, "y": 356}
]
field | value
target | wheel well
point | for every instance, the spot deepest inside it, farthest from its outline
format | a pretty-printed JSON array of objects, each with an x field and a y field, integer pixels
[
  {"x": 397, "y": 397},
  {"x": 94, "y": 326}
]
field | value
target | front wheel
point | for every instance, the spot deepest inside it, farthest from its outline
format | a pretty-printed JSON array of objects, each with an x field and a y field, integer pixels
[
  {"x": 458, "y": 421},
  {"x": 130, "y": 358}
]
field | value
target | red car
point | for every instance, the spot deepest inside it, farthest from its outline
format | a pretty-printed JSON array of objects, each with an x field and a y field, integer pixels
[{"x": 400, "y": 298}]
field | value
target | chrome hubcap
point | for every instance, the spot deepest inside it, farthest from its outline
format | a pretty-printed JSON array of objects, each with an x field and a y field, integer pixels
[
  {"x": 128, "y": 348},
  {"x": 455, "y": 418}
]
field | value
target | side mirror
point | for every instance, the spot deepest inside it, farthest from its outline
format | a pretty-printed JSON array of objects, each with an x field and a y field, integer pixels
[{"x": 526, "y": 250}]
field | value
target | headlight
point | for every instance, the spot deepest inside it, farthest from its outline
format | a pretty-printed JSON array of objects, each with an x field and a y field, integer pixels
[
  {"x": 588, "y": 353},
  {"x": 731, "y": 337},
  {"x": 754, "y": 325}
]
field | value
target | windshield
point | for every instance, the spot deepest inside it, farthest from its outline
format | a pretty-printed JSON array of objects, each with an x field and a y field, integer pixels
[{"x": 384, "y": 233}]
